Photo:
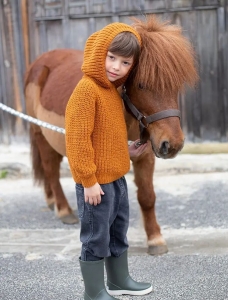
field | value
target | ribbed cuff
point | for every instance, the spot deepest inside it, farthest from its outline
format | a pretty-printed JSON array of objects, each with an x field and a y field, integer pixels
[{"x": 89, "y": 181}]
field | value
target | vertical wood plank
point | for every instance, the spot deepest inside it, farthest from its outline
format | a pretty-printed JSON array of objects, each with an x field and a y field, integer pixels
[
  {"x": 191, "y": 104},
  {"x": 54, "y": 34},
  {"x": 65, "y": 23},
  {"x": 31, "y": 30},
  {"x": 226, "y": 63},
  {"x": 222, "y": 72},
  {"x": 4, "y": 124},
  {"x": 25, "y": 30},
  {"x": 79, "y": 31},
  {"x": 208, "y": 52},
  {"x": 43, "y": 36},
  {"x": 19, "y": 65}
]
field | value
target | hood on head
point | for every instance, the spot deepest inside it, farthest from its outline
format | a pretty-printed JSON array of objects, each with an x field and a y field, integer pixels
[{"x": 96, "y": 49}]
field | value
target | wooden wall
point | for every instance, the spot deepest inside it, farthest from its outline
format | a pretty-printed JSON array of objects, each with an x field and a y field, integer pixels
[
  {"x": 14, "y": 58},
  {"x": 67, "y": 23}
]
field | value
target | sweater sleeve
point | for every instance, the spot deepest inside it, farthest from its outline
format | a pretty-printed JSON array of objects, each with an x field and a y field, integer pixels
[{"x": 79, "y": 124}]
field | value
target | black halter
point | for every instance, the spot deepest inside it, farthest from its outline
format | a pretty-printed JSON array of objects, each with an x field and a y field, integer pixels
[{"x": 143, "y": 120}]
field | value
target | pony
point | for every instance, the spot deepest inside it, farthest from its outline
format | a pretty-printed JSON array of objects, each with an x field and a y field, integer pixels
[{"x": 166, "y": 65}]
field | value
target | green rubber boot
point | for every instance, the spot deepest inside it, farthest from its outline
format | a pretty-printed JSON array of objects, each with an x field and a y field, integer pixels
[
  {"x": 93, "y": 276},
  {"x": 119, "y": 281}
]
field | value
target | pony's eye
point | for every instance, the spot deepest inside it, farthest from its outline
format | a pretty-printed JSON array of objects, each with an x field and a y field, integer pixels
[{"x": 140, "y": 86}]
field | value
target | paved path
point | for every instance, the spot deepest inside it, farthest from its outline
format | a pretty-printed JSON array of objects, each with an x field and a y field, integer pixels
[{"x": 39, "y": 255}]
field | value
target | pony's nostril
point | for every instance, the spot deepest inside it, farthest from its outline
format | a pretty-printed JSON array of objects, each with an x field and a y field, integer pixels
[{"x": 164, "y": 148}]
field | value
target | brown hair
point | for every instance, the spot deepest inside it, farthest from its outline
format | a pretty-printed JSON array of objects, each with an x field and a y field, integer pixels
[
  {"x": 167, "y": 59},
  {"x": 125, "y": 44}
]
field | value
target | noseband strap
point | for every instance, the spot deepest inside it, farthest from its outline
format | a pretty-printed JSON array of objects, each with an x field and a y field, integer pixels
[
  {"x": 163, "y": 114},
  {"x": 145, "y": 121}
]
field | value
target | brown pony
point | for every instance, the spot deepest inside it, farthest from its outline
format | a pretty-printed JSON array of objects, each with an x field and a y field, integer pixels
[{"x": 166, "y": 63}]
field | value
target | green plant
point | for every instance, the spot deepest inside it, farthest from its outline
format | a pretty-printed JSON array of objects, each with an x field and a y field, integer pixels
[{"x": 3, "y": 174}]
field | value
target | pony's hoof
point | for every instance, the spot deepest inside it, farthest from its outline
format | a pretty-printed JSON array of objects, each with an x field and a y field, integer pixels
[
  {"x": 157, "y": 250},
  {"x": 51, "y": 206},
  {"x": 69, "y": 219}
]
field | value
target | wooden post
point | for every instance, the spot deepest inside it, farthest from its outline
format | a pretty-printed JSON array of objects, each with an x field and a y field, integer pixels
[
  {"x": 25, "y": 32},
  {"x": 18, "y": 51}
]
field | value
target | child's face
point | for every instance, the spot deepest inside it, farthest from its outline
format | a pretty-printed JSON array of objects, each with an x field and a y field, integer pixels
[{"x": 117, "y": 66}]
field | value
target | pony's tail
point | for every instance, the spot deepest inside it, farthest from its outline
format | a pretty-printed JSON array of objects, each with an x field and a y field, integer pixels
[
  {"x": 36, "y": 74},
  {"x": 37, "y": 168}
]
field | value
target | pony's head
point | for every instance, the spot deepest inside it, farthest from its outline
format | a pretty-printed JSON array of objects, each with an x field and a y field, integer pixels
[{"x": 165, "y": 65}]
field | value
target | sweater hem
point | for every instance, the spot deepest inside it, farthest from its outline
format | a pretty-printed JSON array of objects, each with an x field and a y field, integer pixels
[{"x": 102, "y": 179}]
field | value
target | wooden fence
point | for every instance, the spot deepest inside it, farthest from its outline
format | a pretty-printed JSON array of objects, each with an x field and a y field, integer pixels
[{"x": 29, "y": 28}]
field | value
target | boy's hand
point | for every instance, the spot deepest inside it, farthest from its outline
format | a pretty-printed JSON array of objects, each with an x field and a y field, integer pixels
[
  {"x": 136, "y": 149},
  {"x": 93, "y": 194}
]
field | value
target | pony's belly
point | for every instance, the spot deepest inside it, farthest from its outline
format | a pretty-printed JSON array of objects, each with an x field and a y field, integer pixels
[{"x": 54, "y": 138}]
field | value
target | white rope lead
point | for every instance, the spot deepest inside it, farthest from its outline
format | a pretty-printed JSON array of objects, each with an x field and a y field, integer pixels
[{"x": 31, "y": 119}]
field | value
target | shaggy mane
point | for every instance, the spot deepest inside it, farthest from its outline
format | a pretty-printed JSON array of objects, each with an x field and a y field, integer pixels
[{"x": 167, "y": 59}]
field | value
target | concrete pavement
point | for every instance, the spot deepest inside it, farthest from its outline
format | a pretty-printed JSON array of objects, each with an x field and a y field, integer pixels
[{"x": 39, "y": 255}]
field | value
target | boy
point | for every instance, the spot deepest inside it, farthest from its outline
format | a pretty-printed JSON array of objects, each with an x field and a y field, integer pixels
[{"x": 97, "y": 150}]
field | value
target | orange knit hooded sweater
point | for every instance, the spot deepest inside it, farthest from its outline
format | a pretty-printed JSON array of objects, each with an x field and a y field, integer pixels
[{"x": 96, "y": 135}]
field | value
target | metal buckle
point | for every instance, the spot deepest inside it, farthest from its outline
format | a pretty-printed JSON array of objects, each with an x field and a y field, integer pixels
[
  {"x": 143, "y": 122},
  {"x": 124, "y": 90}
]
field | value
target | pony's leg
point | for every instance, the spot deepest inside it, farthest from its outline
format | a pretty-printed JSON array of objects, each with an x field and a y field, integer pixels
[
  {"x": 49, "y": 194},
  {"x": 50, "y": 161},
  {"x": 143, "y": 170}
]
